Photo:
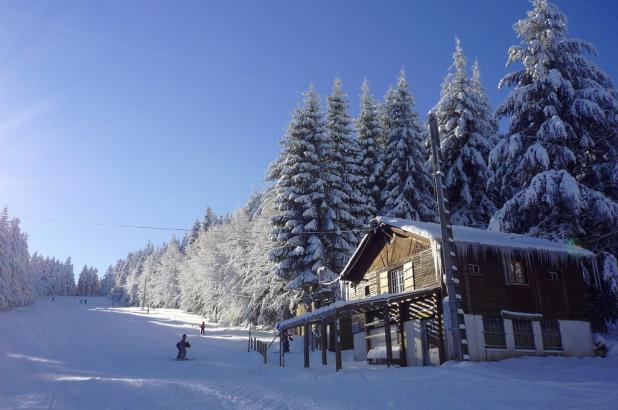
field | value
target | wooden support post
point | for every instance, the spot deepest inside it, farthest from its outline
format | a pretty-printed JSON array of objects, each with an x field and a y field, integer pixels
[
  {"x": 249, "y": 343},
  {"x": 440, "y": 319},
  {"x": 387, "y": 337},
  {"x": 323, "y": 344},
  {"x": 337, "y": 344},
  {"x": 306, "y": 344},
  {"x": 265, "y": 353},
  {"x": 403, "y": 360},
  {"x": 281, "y": 352}
]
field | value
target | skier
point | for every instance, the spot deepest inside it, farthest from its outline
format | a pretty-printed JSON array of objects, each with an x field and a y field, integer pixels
[
  {"x": 203, "y": 329},
  {"x": 182, "y": 346},
  {"x": 286, "y": 341}
]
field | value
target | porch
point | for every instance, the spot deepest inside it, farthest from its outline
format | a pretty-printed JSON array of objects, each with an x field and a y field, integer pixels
[{"x": 402, "y": 329}]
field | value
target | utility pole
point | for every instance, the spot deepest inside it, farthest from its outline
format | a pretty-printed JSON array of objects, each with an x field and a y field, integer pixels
[{"x": 456, "y": 323}]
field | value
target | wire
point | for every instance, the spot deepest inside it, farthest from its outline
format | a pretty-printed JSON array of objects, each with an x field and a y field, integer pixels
[
  {"x": 160, "y": 228},
  {"x": 106, "y": 224}
]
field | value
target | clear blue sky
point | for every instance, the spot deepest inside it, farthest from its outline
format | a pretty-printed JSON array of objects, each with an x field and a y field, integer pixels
[{"x": 145, "y": 112}]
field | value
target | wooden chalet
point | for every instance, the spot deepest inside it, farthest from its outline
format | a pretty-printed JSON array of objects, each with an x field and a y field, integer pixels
[{"x": 518, "y": 295}]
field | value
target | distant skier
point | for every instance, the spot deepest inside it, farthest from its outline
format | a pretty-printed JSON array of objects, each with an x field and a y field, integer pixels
[
  {"x": 203, "y": 329},
  {"x": 182, "y": 346},
  {"x": 286, "y": 341}
]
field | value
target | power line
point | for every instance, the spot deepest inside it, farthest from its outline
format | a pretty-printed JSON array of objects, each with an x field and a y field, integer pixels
[{"x": 161, "y": 228}]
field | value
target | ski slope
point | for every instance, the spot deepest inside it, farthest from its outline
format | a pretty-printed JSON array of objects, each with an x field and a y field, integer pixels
[{"x": 66, "y": 355}]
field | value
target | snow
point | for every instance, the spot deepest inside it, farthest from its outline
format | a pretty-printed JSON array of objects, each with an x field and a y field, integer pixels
[
  {"x": 65, "y": 355},
  {"x": 485, "y": 238},
  {"x": 379, "y": 352}
]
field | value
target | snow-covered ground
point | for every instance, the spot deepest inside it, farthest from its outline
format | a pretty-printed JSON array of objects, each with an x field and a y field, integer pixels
[{"x": 66, "y": 355}]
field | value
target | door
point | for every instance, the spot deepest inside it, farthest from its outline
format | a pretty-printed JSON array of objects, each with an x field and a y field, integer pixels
[{"x": 431, "y": 342}]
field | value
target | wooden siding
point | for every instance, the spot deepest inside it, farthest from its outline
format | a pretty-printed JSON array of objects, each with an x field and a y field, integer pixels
[
  {"x": 488, "y": 293},
  {"x": 482, "y": 293},
  {"x": 410, "y": 252}
]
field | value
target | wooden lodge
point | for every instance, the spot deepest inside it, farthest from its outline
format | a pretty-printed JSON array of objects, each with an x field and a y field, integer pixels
[{"x": 517, "y": 295}]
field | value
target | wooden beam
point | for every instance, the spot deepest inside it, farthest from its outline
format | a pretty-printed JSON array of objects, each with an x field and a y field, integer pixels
[
  {"x": 281, "y": 350},
  {"x": 387, "y": 337},
  {"x": 440, "y": 319},
  {"x": 338, "y": 365},
  {"x": 403, "y": 360},
  {"x": 323, "y": 343},
  {"x": 306, "y": 344}
]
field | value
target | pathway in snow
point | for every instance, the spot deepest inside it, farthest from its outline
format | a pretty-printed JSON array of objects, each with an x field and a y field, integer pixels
[{"x": 66, "y": 355}]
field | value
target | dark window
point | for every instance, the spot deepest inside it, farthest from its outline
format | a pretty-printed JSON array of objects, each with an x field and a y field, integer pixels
[
  {"x": 553, "y": 275},
  {"x": 550, "y": 329},
  {"x": 493, "y": 328},
  {"x": 395, "y": 280},
  {"x": 474, "y": 269},
  {"x": 515, "y": 273},
  {"x": 367, "y": 290},
  {"x": 523, "y": 334}
]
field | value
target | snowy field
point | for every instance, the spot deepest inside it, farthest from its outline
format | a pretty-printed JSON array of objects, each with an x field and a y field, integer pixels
[{"x": 65, "y": 355}]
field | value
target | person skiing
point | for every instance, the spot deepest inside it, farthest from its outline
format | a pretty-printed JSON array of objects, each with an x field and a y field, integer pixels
[
  {"x": 203, "y": 329},
  {"x": 182, "y": 346},
  {"x": 286, "y": 341}
]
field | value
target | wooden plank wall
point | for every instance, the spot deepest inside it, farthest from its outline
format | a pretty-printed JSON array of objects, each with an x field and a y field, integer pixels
[{"x": 488, "y": 292}]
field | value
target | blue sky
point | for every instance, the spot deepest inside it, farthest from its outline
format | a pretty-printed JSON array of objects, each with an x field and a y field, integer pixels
[{"x": 145, "y": 112}]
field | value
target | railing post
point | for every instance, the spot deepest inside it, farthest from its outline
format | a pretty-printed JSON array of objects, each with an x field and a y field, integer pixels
[
  {"x": 306, "y": 344},
  {"x": 281, "y": 352},
  {"x": 323, "y": 344},
  {"x": 338, "y": 365}
]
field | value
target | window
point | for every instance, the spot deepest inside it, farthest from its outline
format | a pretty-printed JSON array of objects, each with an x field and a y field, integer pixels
[
  {"x": 523, "y": 334},
  {"x": 515, "y": 274},
  {"x": 395, "y": 280},
  {"x": 474, "y": 269},
  {"x": 550, "y": 329},
  {"x": 367, "y": 290},
  {"x": 493, "y": 328},
  {"x": 553, "y": 275}
]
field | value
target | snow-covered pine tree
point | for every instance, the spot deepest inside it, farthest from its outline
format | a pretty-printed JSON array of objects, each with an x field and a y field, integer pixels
[
  {"x": 268, "y": 300},
  {"x": 107, "y": 283},
  {"x": 467, "y": 130},
  {"x": 371, "y": 163},
  {"x": 409, "y": 191},
  {"x": 16, "y": 281},
  {"x": 487, "y": 118},
  {"x": 300, "y": 197},
  {"x": 88, "y": 282},
  {"x": 345, "y": 204},
  {"x": 554, "y": 168}
]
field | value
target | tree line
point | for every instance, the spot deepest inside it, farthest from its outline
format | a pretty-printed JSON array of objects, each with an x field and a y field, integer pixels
[{"x": 553, "y": 173}]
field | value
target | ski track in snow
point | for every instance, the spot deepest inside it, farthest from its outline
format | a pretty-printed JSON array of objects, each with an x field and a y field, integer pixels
[{"x": 65, "y": 355}]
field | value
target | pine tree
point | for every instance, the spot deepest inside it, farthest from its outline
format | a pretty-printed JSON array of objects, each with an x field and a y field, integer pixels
[
  {"x": 554, "y": 170},
  {"x": 467, "y": 130},
  {"x": 300, "y": 197},
  {"x": 341, "y": 172},
  {"x": 370, "y": 153},
  {"x": 408, "y": 191},
  {"x": 16, "y": 279}
]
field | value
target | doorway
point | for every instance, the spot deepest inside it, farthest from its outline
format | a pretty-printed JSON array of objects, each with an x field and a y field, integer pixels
[{"x": 430, "y": 336}]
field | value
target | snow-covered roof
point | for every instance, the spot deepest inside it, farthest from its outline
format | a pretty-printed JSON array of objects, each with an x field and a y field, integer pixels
[
  {"x": 482, "y": 237},
  {"x": 342, "y": 305}
]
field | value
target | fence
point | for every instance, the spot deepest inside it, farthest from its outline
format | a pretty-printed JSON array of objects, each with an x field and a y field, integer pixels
[{"x": 260, "y": 346}]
